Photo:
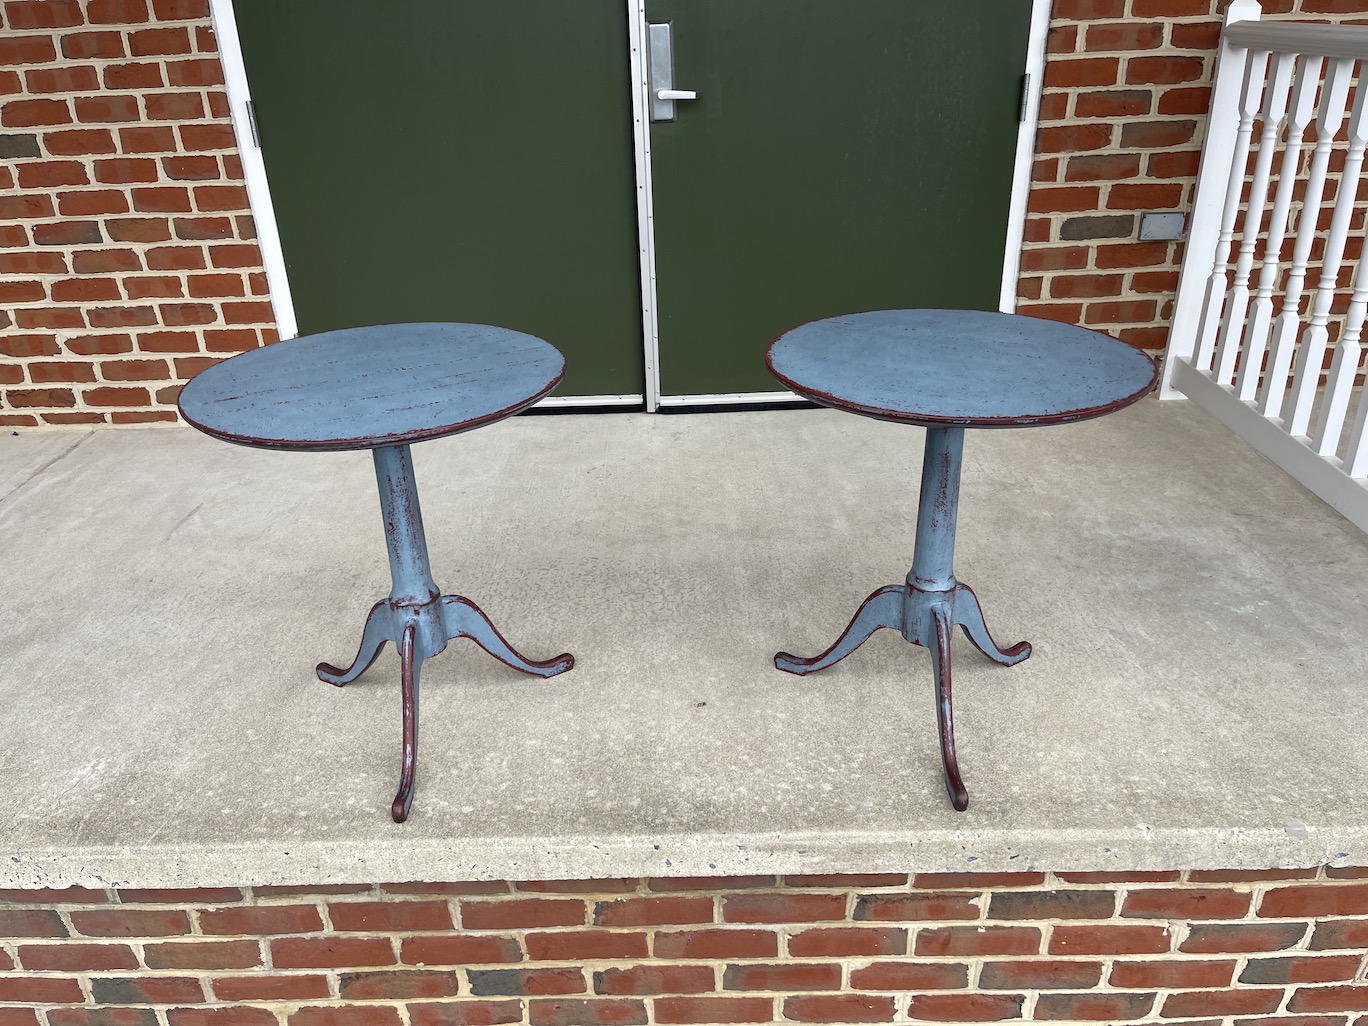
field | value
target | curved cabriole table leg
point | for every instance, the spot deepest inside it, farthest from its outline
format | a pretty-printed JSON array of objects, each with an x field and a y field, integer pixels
[
  {"x": 377, "y": 631},
  {"x": 882, "y": 609},
  {"x": 464, "y": 619},
  {"x": 409, "y": 666},
  {"x": 939, "y": 644},
  {"x": 969, "y": 616}
]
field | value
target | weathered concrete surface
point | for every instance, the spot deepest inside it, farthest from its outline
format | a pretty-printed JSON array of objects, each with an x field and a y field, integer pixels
[{"x": 1196, "y": 696}]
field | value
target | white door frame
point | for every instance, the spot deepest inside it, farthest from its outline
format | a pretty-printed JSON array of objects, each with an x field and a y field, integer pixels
[
  {"x": 1025, "y": 154},
  {"x": 253, "y": 167},
  {"x": 268, "y": 233}
]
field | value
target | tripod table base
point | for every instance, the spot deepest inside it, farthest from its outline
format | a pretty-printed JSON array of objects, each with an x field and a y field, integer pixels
[
  {"x": 925, "y": 618},
  {"x": 408, "y": 627},
  {"x": 416, "y": 618}
]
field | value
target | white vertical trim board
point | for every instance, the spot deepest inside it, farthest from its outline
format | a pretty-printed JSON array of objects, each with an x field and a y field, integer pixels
[
  {"x": 253, "y": 167},
  {"x": 1025, "y": 155},
  {"x": 641, "y": 132}
]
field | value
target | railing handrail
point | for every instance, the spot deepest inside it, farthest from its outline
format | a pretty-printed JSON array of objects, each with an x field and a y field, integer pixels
[{"x": 1317, "y": 39}]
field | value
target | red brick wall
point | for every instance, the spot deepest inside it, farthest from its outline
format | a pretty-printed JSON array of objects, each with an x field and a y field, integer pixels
[
  {"x": 127, "y": 252},
  {"x": 127, "y": 259},
  {"x": 1249, "y": 948}
]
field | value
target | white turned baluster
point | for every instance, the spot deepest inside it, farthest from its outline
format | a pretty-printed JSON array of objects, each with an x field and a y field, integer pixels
[
  {"x": 1256, "y": 61},
  {"x": 1356, "y": 459},
  {"x": 1237, "y": 302},
  {"x": 1208, "y": 200},
  {"x": 1261, "y": 311},
  {"x": 1344, "y": 369},
  {"x": 1328, "y": 121},
  {"x": 1306, "y": 380}
]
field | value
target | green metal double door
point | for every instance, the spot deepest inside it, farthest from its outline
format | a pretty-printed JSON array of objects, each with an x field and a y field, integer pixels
[{"x": 477, "y": 160}]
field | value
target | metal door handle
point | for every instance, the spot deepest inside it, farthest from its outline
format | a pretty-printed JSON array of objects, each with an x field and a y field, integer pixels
[{"x": 660, "y": 73}]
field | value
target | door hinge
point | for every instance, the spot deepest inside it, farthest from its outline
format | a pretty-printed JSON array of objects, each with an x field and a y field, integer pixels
[
  {"x": 252, "y": 122},
  {"x": 1025, "y": 94}
]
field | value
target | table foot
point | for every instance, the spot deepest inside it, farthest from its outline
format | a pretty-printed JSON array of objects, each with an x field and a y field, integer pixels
[
  {"x": 939, "y": 644},
  {"x": 464, "y": 619},
  {"x": 378, "y": 630},
  {"x": 969, "y": 616},
  {"x": 882, "y": 609},
  {"x": 409, "y": 665}
]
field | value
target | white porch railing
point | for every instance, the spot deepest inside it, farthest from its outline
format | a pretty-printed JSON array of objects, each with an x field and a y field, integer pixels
[{"x": 1240, "y": 345}]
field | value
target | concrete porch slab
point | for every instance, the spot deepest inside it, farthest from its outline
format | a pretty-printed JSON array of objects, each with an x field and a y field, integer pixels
[{"x": 1195, "y": 698}]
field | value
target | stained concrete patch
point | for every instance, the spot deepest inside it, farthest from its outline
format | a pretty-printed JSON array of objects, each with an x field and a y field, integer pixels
[{"x": 1194, "y": 698}]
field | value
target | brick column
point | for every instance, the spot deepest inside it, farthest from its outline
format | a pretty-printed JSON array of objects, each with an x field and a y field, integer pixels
[{"x": 127, "y": 252}]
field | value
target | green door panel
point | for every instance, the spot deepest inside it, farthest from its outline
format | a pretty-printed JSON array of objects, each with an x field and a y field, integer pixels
[
  {"x": 843, "y": 155},
  {"x": 464, "y": 161}
]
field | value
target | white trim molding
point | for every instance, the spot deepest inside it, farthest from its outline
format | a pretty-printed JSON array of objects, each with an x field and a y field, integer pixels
[
  {"x": 645, "y": 200},
  {"x": 570, "y": 402},
  {"x": 254, "y": 167},
  {"x": 1025, "y": 154}
]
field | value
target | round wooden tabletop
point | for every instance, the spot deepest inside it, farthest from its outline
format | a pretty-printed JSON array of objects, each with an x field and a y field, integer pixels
[
  {"x": 965, "y": 368},
  {"x": 359, "y": 388}
]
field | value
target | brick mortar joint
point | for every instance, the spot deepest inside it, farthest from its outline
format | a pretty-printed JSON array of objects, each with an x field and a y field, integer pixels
[
  {"x": 900, "y": 997},
  {"x": 89, "y": 161},
  {"x": 205, "y": 91},
  {"x": 123, "y": 30},
  {"x": 1173, "y": 954},
  {"x": 376, "y": 893},
  {"x": 99, "y": 304},
  {"x": 208, "y": 118}
]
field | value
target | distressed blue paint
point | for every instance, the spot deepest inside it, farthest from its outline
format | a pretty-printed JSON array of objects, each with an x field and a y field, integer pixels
[
  {"x": 380, "y": 388},
  {"x": 960, "y": 367},
  {"x": 410, "y": 572},
  {"x": 947, "y": 370},
  {"x": 361, "y": 387},
  {"x": 933, "y": 556}
]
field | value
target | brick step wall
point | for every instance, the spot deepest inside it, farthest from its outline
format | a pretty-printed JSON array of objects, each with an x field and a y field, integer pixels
[{"x": 1238, "y": 947}]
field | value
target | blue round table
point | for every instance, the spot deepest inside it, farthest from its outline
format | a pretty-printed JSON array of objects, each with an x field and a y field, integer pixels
[
  {"x": 382, "y": 388},
  {"x": 947, "y": 370}
]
